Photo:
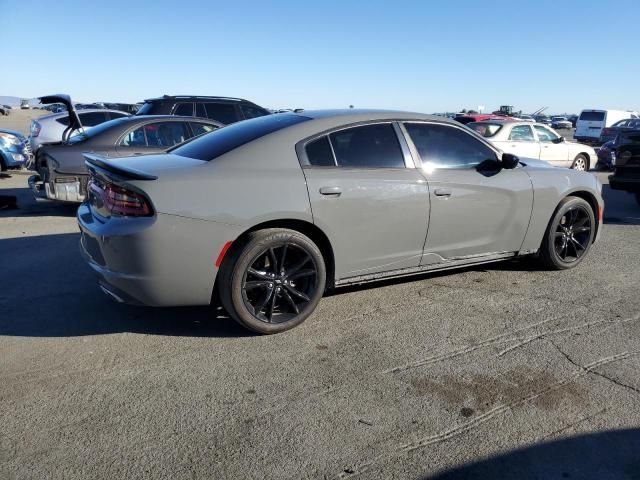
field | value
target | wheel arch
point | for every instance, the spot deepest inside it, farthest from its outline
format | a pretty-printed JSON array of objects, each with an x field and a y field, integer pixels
[
  {"x": 306, "y": 228},
  {"x": 591, "y": 200}
]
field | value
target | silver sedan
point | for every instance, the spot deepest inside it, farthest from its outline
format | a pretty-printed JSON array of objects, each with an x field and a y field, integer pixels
[{"x": 269, "y": 213}]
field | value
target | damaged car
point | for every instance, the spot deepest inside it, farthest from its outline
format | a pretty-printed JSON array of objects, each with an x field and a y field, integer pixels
[{"x": 61, "y": 171}]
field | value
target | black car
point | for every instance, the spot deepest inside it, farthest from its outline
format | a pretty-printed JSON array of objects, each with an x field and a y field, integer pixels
[
  {"x": 610, "y": 133},
  {"x": 221, "y": 109},
  {"x": 626, "y": 173},
  {"x": 62, "y": 174}
]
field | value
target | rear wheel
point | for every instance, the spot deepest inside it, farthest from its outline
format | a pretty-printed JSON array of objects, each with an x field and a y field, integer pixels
[
  {"x": 580, "y": 163},
  {"x": 273, "y": 281},
  {"x": 569, "y": 235}
]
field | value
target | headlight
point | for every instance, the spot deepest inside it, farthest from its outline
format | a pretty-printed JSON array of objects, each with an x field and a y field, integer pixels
[
  {"x": 10, "y": 140},
  {"x": 18, "y": 157}
]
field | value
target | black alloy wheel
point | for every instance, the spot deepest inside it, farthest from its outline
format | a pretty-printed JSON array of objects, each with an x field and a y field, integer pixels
[
  {"x": 272, "y": 280},
  {"x": 279, "y": 283},
  {"x": 569, "y": 235}
]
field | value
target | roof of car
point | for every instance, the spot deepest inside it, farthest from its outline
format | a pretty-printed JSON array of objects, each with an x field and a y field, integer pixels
[
  {"x": 357, "y": 115},
  {"x": 199, "y": 97}
]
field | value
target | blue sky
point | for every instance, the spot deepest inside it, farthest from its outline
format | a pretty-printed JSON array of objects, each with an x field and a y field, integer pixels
[{"x": 413, "y": 55}]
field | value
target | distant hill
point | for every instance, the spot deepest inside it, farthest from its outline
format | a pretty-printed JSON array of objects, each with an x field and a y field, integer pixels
[{"x": 15, "y": 101}]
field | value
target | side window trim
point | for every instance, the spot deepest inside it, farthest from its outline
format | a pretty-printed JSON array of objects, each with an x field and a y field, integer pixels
[
  {"x": 301, "y": 146},
  {"x": 467, "y": 131}
]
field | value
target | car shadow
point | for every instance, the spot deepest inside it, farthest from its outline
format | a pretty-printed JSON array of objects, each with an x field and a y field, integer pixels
[
  {"x": 47, "y": 290},
  {"x": 620, "y": 208},
  {"x": 613, "y": 454},
  {"x": 19, "y": 202}
]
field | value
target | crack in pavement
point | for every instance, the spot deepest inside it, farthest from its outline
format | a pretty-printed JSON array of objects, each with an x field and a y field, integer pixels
[
  {"x": 488, "y": 415},
  {"x": 594, "y": 372}
]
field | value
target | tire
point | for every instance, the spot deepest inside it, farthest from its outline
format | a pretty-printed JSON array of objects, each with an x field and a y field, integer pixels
[
  {"x": 580, "y": 163},
  {"x": 569, "y": 235},
  {"x": 262, "y": 282}
]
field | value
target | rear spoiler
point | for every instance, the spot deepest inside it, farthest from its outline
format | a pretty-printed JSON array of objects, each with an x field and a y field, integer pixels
[{"x": 118, "y": 172}]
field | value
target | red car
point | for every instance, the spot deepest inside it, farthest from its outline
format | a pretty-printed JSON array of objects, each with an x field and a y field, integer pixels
[{"x": 479, "y": 117}]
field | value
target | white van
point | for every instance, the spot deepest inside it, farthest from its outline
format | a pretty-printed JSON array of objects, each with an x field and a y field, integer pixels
[{"x": 591, "y": 122}]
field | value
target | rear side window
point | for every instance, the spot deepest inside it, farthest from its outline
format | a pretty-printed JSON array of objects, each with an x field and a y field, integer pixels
[
  {"x": 621, "y": 123},
  {"x": 184, "y": 109},
  {"x": 200, "y": 111},
  {"x": 592, "y": 116},
  {"x": 319, "y": 153},
  {"x": 201, "y": 128},
  {"x": 156, "y": 135},
  {"x": 441, "y": 146},
  {"x": 487, "y": 130},
  {"x": 369, "y": 146},
  {"x": 223, "y": 140},
  {"x": 521, "y": 133},
  {"x": 222, "y": 112},
  {"x": 249, "y": 111}
]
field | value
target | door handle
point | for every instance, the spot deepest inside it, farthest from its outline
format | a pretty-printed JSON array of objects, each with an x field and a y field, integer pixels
[
  {"x": 442, "y": 192},
  {"x": 335, "y": 191}
]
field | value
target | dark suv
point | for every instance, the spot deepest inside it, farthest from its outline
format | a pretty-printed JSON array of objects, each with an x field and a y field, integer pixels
[
  {"x": 222, "y": 109},
  {"x": 626, "y": 174}
]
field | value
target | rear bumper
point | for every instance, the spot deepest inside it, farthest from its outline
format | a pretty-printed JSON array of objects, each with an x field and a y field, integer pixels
[
  {"x": 60, "y": 189},
  {"x": 158, "y": 261}
]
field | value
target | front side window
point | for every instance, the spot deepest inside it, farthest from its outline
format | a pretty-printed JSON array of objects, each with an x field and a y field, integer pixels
[
  {"x": 544, "y": 134},
  {"x": 369, "y": 146},
  {"x": 222, "y": 112},
  {"x": 521, "y": 133},
  {"x": 442, "y": 146}
]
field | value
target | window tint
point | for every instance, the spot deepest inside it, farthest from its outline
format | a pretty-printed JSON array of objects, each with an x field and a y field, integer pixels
[
  {"x": 200, "y": 111},
  {"x": 521, "y": 133},
  {"x": 157, "y": 135},
  {"x": 222, "y": 112},
  {"x": 319, "y": 152},
  {"x": 223, "y": 140},
  {"x": 441, "y": 146},
  {"x": 184, "y": 109},
  {"x": 91, "y": 119},
  {"x": 250, "y": 111},
  {"x": 544, "y": 134},
  {"x": 369, "y": 146},
  {"x": 201, "y": 128},
  {"x": 592, "y": 116}
]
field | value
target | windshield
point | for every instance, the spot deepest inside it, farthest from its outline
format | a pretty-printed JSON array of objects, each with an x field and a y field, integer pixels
[
  {"x": 223, "y": 140},
  {"x": 486, "y": 129},
  {"x": 97, "y": 130}
]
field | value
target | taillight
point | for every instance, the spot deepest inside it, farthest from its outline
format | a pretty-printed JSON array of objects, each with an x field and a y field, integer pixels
[
  {"x": 35, "y": 128},
  {"x": 121, "y": 201}
]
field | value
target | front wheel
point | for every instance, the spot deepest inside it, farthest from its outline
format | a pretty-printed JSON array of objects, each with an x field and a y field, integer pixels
[
  {"x": 272, "y": 281},
  {"x": 580, "y": 163},
  {"x": 569, "y": 234}
]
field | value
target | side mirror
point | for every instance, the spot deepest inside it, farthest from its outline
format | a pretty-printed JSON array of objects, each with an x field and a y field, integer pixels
[
  {"x": 558, "y": 140},
  {"x": 509, "y": 161}
]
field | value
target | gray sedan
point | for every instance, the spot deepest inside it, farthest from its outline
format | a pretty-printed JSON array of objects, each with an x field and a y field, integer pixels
[{"x": 269, "y": 213}]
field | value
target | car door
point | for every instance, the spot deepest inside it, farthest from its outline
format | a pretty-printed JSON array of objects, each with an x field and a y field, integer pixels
[
  {"x": 552, "y": 150},
  {"x": 477, "y": 208},
  {"x": 521, "y": 142},
  {"x": 368, "y": 197},
  {"x": 153, "y": 137}
]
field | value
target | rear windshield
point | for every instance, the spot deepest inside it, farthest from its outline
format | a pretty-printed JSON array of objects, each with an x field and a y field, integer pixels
[
  {"x": 223, "y": 140},
  {"x": 97, "y": 130},
  {"x": 485, "y": 129},
  {"x": 592, "y": 116}
]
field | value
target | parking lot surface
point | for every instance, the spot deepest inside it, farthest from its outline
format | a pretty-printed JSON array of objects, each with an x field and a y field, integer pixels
[{"x": 401, "y": 379}]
